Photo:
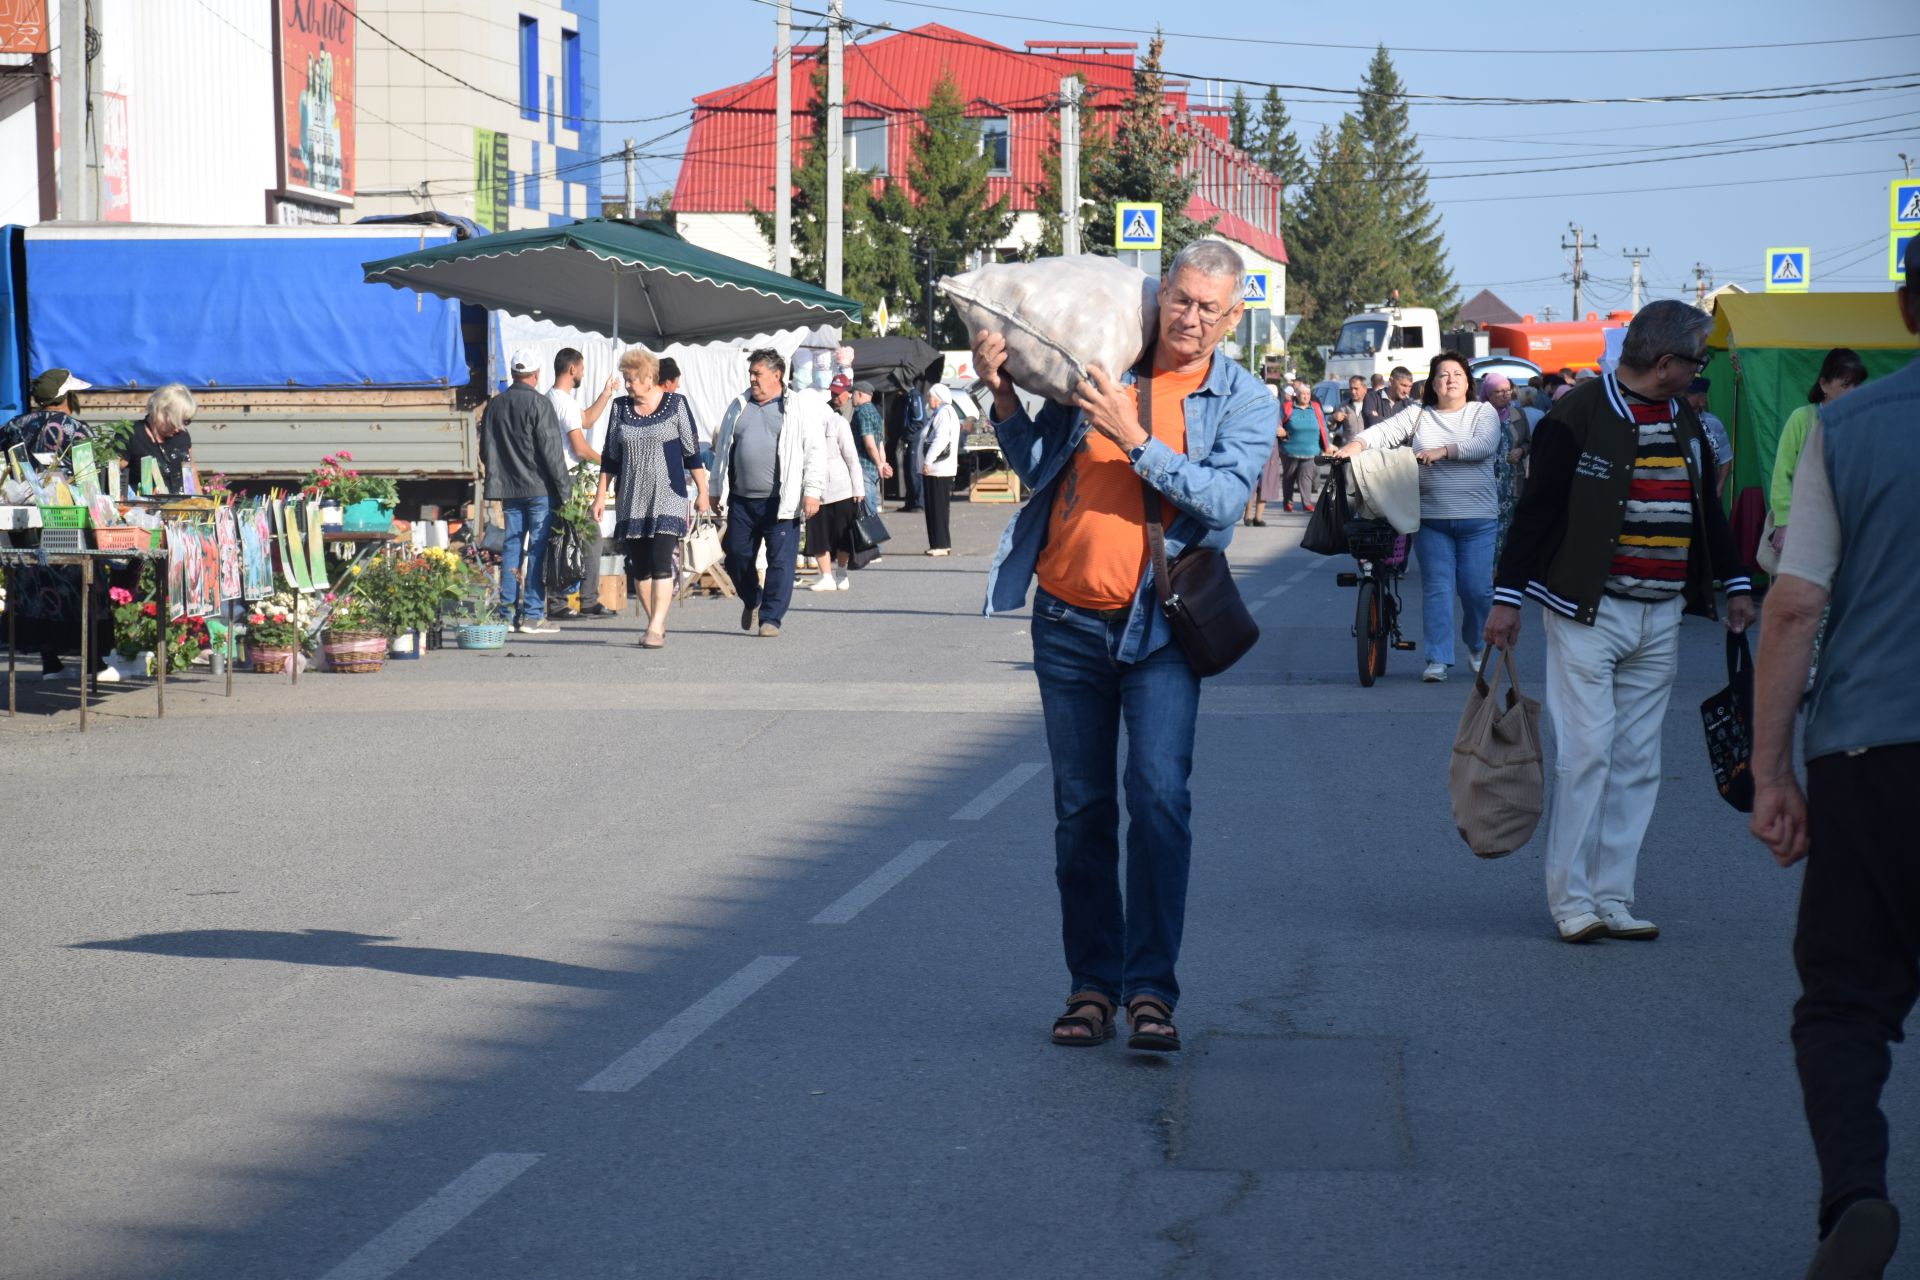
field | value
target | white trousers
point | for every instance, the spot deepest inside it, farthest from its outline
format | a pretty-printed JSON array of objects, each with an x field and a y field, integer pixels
[{"x": 1607, "y": 691}]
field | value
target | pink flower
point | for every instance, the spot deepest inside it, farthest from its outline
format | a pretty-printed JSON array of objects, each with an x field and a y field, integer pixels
[
  {"x": 256, "y": 618},
  {"x": 120, "y": 595},
  {"x": 353, "y": 473},
  {"x": 279, "y": 617},
  {"x": 344, "y": 454}
]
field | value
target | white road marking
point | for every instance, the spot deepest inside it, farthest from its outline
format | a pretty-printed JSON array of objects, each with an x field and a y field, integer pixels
[
  {"x": 868, "y": 891},
  {"x": 1256, "y": 606},
  {"x": 641, "y": 1061},
  {"x": 1296, "y": 577},
  {"x": 1275, "y": 591},
  {"x": 444, "y": 1210},
  {"x": 987, "y": 801}
]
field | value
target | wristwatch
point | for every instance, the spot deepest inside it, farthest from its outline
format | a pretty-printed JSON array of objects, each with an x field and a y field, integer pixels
[{"x": 1136, "y": 453}]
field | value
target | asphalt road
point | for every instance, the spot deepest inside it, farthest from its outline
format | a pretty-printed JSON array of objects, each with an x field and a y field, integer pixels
[{"x": 737, "y": 960}]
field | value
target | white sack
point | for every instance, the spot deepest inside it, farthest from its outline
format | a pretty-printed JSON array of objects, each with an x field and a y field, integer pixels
[{"x": 1058, "y": 316}]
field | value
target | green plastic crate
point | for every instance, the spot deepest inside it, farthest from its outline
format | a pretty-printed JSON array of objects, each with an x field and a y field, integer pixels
[{"x": 63, "y": 517}]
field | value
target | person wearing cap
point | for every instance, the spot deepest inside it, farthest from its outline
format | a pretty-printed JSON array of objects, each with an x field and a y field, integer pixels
[
  {"x": 870, "y": 433},
  {"x": 938, "y": 463},
  {"x": 1716, "y": 430},
  {"x": 842, "y": 490},
  {"x": 520, "y": 445},
  {"x": 54, "y": 422},
  {"x": 162, "y": 436}
]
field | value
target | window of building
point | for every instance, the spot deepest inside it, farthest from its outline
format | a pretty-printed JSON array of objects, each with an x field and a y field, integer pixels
[
  {"x": 866, "y": 144},
  {"x": 529, "y": 68},
  {"x": 996, "y": 144},
  {"x": 570, "y": 84}
]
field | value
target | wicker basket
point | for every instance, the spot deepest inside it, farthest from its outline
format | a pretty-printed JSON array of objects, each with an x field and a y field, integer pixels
[
  {"x": 483, "y": 635},
  {"x": 269, "y": 661},
  {"x": 355, "y": 652}
]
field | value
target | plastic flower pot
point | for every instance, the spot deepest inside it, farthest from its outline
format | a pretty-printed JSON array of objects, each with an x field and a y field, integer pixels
[{"x": 369, "y": 515}]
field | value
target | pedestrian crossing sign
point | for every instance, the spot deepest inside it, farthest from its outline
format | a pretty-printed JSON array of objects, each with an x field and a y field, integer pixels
[
  {"x": 1787, "y": 270},
  {"x": 1903, "y": 204},
  {"x": 1136, "y": 226},
  {"x": 1255, "y": 293},
  {"x": 1897, "y": 255}
]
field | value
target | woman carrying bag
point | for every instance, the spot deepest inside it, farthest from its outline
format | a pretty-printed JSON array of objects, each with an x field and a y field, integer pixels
[
  {"x": 1454, "y": 438},
  {"x": 939, "y": 462}
]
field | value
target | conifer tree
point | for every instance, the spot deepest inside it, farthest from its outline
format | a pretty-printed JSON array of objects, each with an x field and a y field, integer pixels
[
  {"x": 1399, "y": 187},
  {"x": 1144, "y": 164},
  {"x": 1343, "y": 257},
  {"x": 953, "y": 215},
  {"x": 1240, "y": 130},
  {"x": 1275, "y": 146},
  {"x": 1046, "y": 192}
]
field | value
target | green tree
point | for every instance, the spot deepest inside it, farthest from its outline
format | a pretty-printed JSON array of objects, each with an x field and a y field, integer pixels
[
  {"x": 1144, "y": 164},
  {"x": 1342, "y": 251},
  {"x": 1399, "y": 187},
  {"x": 1046, "y": 192},
  {"x": 877, "y": 257},
  {"x": 1240, "y": 130},
  {"x": 954, "y": 214}
]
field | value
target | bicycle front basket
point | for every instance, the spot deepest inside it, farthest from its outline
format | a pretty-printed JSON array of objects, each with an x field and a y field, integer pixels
[{"x": 1370, "y": 539}]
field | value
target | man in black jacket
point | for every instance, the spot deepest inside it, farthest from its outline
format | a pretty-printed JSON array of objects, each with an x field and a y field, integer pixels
[
  {"x": 1618, "y": 533},
  {"x": 527, "y": 474}
]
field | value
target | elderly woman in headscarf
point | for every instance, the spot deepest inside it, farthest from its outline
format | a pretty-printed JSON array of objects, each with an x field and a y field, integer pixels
[
  {"x": 939, "y": 462},
  {"x": 1509, "y": 462}
]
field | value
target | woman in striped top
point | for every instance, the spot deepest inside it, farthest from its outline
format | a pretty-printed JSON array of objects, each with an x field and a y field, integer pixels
[{"x": 1455, "y": 438}]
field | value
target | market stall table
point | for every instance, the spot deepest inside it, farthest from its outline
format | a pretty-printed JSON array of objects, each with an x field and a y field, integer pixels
[
  {"x": 12, "y": 558},
  {"x": 368, "y": 542}
]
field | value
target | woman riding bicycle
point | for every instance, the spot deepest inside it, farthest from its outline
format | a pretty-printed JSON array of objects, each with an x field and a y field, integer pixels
[{"x": 1455, "y": 439}]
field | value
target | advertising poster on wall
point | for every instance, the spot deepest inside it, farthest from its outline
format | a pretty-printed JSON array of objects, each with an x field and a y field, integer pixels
[
  {"x": 23, "y": 26},
  {"x": 116, "y": 192},
  {"x": 313, "y": 74},
  {"x": 490, "y": 179}
]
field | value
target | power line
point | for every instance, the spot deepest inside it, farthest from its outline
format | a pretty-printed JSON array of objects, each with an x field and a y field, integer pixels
[{"x": 1030, "y": 20}]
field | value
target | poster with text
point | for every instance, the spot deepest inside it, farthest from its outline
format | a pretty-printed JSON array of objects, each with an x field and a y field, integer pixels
[
  {"x": 491, "y": 179},
  {"x": 313, "y": 66},
  {"x": 23, "y": 26}
]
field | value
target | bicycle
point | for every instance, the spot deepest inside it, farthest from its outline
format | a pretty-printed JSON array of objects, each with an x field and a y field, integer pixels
[{"x": 1381, "y": 555}]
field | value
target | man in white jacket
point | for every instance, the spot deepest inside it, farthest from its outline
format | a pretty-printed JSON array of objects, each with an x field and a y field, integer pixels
[{"x": 768, "y": 475}]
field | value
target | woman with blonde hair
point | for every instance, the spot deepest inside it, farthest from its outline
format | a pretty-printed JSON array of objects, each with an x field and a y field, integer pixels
[
  {"x": 162, "y": 436},
  {"x": 651, "y": 452}
]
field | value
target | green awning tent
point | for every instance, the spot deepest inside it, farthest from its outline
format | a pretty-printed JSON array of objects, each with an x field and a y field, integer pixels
[
  {"x": 1766, "y": 351},
  {"x": 635, "y": 281}
]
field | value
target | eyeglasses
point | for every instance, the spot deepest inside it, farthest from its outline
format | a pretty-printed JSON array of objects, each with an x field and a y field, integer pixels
[
  {"x": 1179, "y": 304},
  {"x": 1698, "y": 362}
]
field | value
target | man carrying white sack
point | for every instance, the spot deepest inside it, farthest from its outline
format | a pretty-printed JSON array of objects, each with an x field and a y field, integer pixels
[{"x": 1102, "y": 650}]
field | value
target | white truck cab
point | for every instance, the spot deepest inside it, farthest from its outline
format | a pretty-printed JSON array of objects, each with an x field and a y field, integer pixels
[{"x": 1380, "y": 339}]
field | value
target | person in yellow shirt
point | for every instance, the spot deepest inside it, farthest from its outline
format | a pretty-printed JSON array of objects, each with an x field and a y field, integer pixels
[{"x": 1840, "y": 372}]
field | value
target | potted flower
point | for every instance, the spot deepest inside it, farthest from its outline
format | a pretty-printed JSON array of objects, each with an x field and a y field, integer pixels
[
  {"x": 273, "y": 637},
  {"x": 136, "y": 628},
  {"x": 366, "y": 502},
  {"x": 356, "y": 639}
]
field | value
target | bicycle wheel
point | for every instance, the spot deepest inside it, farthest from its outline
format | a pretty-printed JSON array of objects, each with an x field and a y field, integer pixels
[{"x": 1368, "y": 634}]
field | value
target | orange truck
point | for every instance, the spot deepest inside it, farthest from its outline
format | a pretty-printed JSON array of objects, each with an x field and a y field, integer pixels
[{"x": 1561, "y": 344}]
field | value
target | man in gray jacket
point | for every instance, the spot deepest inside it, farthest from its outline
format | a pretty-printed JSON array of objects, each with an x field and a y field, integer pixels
[{"x": 527, "y": 474}]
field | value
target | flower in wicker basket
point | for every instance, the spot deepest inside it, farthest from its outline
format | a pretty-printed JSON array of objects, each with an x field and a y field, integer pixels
[{"x": 356, "y": 640}]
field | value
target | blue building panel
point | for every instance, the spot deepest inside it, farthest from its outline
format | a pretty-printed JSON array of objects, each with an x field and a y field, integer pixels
[{"x": 582, "y": 165}]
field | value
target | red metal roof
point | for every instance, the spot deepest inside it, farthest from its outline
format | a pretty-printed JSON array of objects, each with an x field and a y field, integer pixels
[
  {"x": 1267, "y": 243},
  {"x": 728, "y": 163}
]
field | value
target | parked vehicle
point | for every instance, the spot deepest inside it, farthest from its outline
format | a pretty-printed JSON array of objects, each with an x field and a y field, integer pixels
[
  {"x": 1382, "y": 338},
  {"x": 1517, "y": 371},
  {"x": 1563, "y": 344}
]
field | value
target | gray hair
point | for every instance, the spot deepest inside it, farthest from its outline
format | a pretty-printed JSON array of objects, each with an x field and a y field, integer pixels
[
  {"x": 1666, "y": 327},
  {"x": 1215, "y": 259},
  {"x": 172, "y": 404},
  {"x": 766, "y": 358}
]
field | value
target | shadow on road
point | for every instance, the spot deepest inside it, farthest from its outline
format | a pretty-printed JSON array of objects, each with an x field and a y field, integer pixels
[{"x": 340, "y": 949}]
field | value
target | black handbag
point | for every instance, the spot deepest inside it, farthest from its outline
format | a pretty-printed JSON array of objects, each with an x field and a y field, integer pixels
[
  {"x": 1728, "y": 717},
  {"x": 869, "y": 532},
  {"x": 1326, "y": 532},
  {"x": 1210, "y": 621}
]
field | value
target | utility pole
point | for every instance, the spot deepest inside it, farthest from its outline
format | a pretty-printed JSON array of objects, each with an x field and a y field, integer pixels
[
  {"x": 1579, "y": 246},
  {"x": 627, "y": 152},
  {"x": 783, "y": 139},
  {"x": 1702, "y": 281},
  {"x": 1635, "y": 255},
  {"x": 1906, "y": 160},
  {"x": 836, "y": 140},
  {"x": 1546, "y": 314},
  {"x": 1069, "y": 164},
  {"x": 73, "y": 111}
]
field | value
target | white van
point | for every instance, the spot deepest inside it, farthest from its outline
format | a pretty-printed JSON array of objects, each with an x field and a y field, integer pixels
[{"x": 1383, "y": 338}]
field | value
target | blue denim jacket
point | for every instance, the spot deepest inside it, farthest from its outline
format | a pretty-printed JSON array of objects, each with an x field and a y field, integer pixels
[{"x": 1229, "y": 436}]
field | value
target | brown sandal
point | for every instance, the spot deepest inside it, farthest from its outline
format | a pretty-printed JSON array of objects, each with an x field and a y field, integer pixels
[
  {"x": 1099, "y": 1026},
  {"x": 1145, "y": 1009}
]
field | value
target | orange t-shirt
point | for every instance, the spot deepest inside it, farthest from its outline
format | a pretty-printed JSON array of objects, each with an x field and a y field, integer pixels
[{"x": 1097, "y": 535}]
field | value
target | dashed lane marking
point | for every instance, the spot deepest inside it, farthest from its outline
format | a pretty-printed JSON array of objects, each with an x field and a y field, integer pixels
[
  {"x": 985, "y": 803},
  {"x": 444, "y": 1210},
  {"x": 868, "y": 891},
  {"x": 641, "y": 1061}
]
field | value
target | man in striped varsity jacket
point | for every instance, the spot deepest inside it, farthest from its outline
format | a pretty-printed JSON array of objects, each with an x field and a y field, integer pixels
[{"x": 1619, "y": 532}]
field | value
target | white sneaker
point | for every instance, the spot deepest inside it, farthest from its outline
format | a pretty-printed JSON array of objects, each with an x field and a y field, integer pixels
[
  {"x": 1435, "y": 673},
  {"x": 1620, "y": 923},
  {"x": 64, "y": 673},
  {"x": 537, "y": 627},
  {"x": 1477, "y": 656},
  {"x": 842, "y": 580},
  {"x": 939, "y": 551},
  {"x": 1584, "y": 927},
  {"x": 107, "y": 675},
  {"x": 825, "y": 584}
]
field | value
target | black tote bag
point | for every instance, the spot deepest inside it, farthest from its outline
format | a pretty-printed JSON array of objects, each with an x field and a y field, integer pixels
[
  {"x": 1728, "y": 717},
  {"x": 1327, "y": 531}
]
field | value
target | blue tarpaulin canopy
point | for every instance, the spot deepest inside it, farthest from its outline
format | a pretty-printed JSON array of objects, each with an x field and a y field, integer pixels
[{"x": 234, "y": 307}]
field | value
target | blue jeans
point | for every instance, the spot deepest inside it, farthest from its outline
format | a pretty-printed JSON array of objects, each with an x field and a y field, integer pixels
[
  {"x": 530, "y": 519},
  {"x": 750, "y": 522},
  {"x": 911, "y": 480},
  {"x": 1456, "y": 557},
  {"x": 1119, "y": 951}
]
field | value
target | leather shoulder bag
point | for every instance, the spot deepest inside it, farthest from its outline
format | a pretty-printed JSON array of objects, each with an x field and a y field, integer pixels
[{"x": 1196, "y": 591}]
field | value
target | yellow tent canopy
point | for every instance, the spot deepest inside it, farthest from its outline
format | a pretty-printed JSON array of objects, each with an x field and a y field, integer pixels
[{"x": 1808, "y": 321}]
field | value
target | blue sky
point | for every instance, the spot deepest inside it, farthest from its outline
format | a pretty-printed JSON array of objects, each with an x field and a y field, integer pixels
[{"x": 1510, "y": 245}]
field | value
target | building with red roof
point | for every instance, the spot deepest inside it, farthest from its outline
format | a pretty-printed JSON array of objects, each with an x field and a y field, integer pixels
[{"x": 727, "y": 170}]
